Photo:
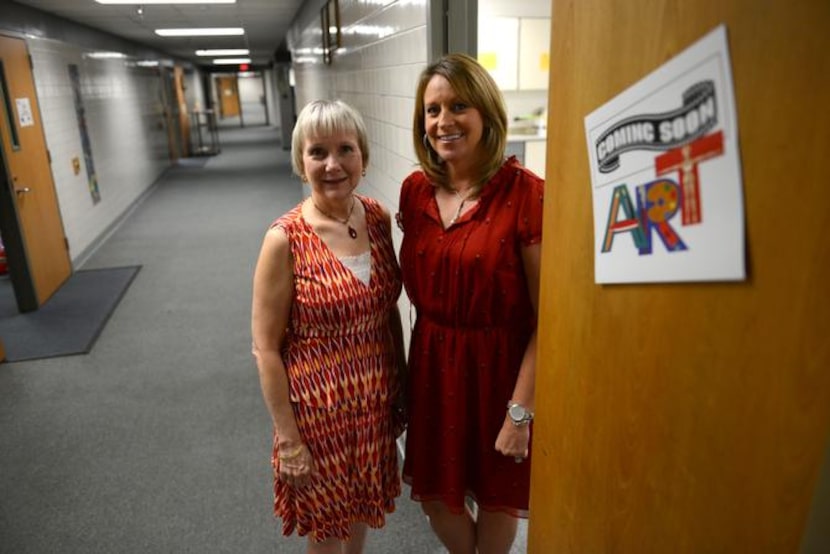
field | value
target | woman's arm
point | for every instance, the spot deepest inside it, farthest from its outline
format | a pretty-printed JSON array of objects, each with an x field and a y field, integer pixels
[
  {"x": 396, "y": 332},
  {"x": 513, "y": 440},
  {"x": 399, "y": 377},
  {"x": 272, "y": 298}
]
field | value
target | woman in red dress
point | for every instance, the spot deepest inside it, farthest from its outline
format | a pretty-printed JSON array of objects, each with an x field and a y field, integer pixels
[
  {"x": 472, "y": 224},
  {"x": 327, "y": 341}
]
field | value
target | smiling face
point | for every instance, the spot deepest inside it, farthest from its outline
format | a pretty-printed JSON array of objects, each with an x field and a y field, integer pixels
[
  {"x": 333, "y": 164},
  {"x": 454, "y": 128}
]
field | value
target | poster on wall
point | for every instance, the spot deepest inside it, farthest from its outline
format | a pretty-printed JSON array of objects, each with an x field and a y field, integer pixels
[
  {"x": 665, "y": 174},
  {"x": 86, "y": 146}
]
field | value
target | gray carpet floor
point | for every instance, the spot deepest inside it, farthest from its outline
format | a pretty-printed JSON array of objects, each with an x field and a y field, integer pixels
[{"x": 158, "y": 440}]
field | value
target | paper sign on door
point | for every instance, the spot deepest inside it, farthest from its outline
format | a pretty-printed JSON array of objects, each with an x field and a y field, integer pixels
[
  {"x": 666, "y": 176},
  {"x": 24, "y": 112}
]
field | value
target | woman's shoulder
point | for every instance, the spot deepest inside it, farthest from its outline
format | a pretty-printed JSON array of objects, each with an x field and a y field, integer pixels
[
  {"x": 522, "y": 179},
  {"x": 417, "y": 184},
  {"x": 374, "y": 209},
  {"x": 417, "y": 179},
  {"x": 368, "y": 202},
  {"x": 513, "y": 165},
  {"x": 288, "y": 221}
]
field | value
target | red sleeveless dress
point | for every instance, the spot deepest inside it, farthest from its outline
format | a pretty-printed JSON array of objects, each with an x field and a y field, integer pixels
[
  {"x": 338, "y": 357},
  {"x": 474, "y": 321}
]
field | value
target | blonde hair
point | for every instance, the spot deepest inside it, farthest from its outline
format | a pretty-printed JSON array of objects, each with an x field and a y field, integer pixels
[
  {"x": 326, "y": 117},
  {"x": 475, "y": 87}
]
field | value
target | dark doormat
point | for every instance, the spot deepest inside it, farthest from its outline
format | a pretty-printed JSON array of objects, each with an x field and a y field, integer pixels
[{"x": 71, "y": 320}]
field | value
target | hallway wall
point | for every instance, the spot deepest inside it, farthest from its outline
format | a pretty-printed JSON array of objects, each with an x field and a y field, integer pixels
[
  {"x": 127, "y": 135},
  {"x": 123, "y": 105}
]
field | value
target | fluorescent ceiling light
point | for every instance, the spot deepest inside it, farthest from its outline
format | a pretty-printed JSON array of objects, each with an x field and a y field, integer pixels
[
  {"x": 145, "y": 2},
  {"x": 105, "y": 55},
  {"x": 224, "y": 52},
  {"x": 231, "y": 61},
  {"x": 211, "y": 32}
]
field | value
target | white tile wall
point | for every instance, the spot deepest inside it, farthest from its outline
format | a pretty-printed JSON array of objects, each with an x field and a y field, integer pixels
[{"x": 124, "y": 117}]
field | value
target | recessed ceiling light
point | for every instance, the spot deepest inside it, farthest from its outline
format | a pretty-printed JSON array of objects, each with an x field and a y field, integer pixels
[
  {"x": 224, "y": 52},
  {"x": 166, "y": 1},
  {"x": 212, "y": 32},
  {"x": 231, "y": 61}
]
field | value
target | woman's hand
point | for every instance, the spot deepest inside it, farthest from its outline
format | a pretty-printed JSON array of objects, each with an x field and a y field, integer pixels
[
  {"x": 400, "y": 417},
  {"x": 513, "y": 440},
  {"x": 294, "y": 465}
]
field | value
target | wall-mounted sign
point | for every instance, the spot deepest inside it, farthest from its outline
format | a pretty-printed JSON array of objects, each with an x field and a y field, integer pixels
[
  {"x": 666, "y": 175},
  {"x": 24, "y": 112}
]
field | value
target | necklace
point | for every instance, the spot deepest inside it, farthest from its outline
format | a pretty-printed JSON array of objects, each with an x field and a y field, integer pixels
[
  {"x": 463, "y": 198},
  {"x": 352, "y": 231}
]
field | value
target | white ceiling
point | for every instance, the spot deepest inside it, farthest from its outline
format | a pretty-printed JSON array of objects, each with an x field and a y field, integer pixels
[{"x": 265, "y": 22}]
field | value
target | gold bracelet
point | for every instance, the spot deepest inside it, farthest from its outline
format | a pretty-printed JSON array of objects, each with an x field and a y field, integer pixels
[{"x": 291, "y": 455}]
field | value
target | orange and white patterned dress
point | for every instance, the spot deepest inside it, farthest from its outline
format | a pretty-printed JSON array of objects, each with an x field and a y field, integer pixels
[{"x": 339, "y": 357}]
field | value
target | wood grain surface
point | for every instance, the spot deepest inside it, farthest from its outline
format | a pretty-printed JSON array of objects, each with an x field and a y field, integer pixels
[{"x": 687, "y": 418}]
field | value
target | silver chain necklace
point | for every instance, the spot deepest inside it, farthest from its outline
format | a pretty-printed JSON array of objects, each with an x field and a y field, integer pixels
[
  {"x": 463, "y": 198},
  {"x": 352, "y": 231}
]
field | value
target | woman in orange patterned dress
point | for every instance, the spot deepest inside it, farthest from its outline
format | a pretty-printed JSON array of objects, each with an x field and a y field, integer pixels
[{"x": 327, "y": 341}]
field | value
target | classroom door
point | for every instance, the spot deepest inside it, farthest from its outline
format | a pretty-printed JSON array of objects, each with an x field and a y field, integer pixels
[
  {"x": 42, "y": 246},
  {"x": 687, "y": 417},
  {"x": 228, "y": 96}
]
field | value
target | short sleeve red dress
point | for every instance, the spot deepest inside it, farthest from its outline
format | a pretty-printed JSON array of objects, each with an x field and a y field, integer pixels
[{"x": 474, "y": 321}]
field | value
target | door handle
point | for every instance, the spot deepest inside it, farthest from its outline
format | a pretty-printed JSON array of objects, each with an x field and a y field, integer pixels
[{"x": 23, "y": 190}]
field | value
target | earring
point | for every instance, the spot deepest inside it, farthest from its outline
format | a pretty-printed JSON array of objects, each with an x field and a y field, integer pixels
[
  {"x": 303, "y": 178},
  {"x": 432, "y": 154},
  {"x": 363, "y": 173}
]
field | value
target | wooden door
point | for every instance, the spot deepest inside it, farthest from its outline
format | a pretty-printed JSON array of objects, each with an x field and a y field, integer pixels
[
  {"x": 34, "y": 205},
  {"x": 687, "y": 417},
  {"x": 181, "y": 111},
  {"x": 228, "y": 96}
]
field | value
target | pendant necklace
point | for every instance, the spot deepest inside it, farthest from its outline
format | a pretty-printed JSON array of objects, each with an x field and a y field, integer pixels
[
  {"x": 352, "y": 231},
  {"x": 463, "y": 198}
]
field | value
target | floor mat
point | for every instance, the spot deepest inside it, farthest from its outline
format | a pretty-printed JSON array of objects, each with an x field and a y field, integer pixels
[{"x": 71, "y": 320}]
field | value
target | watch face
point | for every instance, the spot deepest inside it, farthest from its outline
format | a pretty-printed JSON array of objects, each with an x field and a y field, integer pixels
[{"x": 517, "y": 413}]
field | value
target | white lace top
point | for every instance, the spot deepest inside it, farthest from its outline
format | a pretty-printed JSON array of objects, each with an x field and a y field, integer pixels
[{"x": 360, "y": 265}]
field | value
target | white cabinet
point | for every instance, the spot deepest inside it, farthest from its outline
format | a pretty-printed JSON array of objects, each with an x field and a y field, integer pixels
[
  {"x": 515, "y": 50},
  {"x": 534, "y": 53},
  {"x": 498, "y": 50}
]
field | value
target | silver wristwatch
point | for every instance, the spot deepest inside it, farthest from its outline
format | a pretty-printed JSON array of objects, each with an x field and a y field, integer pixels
[{"x": 519, "y": 415}]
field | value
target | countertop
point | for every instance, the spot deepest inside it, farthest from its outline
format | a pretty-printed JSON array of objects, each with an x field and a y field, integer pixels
[{"x": 526, "y": 137}]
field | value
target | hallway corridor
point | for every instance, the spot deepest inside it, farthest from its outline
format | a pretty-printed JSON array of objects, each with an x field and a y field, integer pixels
[{"x": 158, "y": 440}]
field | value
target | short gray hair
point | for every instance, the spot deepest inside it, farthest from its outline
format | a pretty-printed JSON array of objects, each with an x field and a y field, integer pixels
[{"x": 326, "y": 117}]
